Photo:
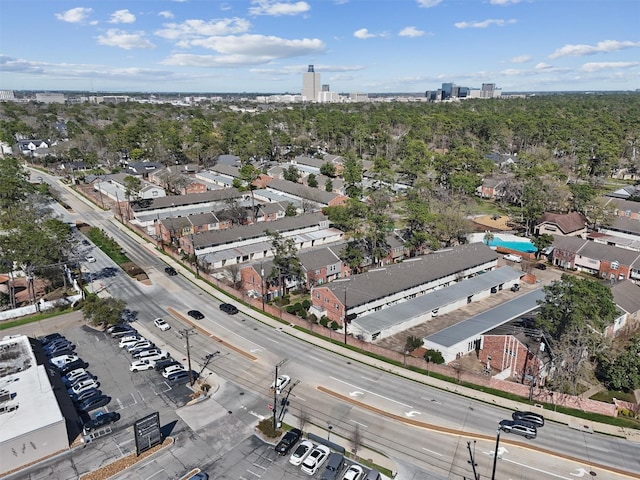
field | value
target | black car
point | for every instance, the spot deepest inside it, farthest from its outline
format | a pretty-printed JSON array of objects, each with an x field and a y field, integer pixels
[
  {"x": 60, "y": 352},
  {"x": 121, "y": 331},
  {"x": 529, "y": 417},
  {"x": 228, "y": 308},
  {"x": 59, "y": 346},
  {"x": 515, "y": 287},
  {"x": 541, "y": 266},
  {"x": 101, "y": 420},
  {"x": 87, "y": 394},
  {"x": 197, "y": 314},
  {"x": 170, "y": 271},
  {"x": 181, "y": 377},
  {"x": 94, "y": 402},
  {"x": 50, "y": 338},
  {"x": 167, "y": 362},
  {"x": 69, "y": 367},
  {"x": 289, "y": 440}
]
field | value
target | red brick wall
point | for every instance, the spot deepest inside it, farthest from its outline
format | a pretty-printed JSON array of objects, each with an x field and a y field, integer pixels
[
  {"x": 324, "y": 299},
  {"x": 508, "y": 353},
  {"x": 605, "y": 267}
]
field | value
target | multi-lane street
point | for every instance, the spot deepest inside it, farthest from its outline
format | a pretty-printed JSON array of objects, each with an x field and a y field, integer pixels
[{"x": 425, "y": 429}]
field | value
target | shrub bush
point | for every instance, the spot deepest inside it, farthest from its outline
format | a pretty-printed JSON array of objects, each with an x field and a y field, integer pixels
[
  {"x": 306, "y": 303},
  {"x": 324, "y": 321},
  {"x": 335, "y": 325},
  {"x": 302, "y": 314},
  {"x": 312, "y": 318},
  {"x": 266, "y": 427},
  {"x": 434, "y": 356}
]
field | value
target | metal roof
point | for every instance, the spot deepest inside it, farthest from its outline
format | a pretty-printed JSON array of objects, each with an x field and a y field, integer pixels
[
  {"x": 486, "y": 321},
  {"x": 425, "y": 304}
]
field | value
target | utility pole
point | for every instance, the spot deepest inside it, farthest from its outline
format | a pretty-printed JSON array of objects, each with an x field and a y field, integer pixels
[
  {"x": 495, "y": 455},
  {"x": 275, "y": 394},
  {"x": 344, "y": 320},
  {"x": 185, "y": 334},
  {"x": 473, "y": 460},
  {"x": 262, "y": 283}
]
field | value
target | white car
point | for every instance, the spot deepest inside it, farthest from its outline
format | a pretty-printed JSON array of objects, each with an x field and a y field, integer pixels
[
  {"x": 140, "y": 365},
  {"x": 82, "y": 386},
  {"x": 281, "y": 384},
  {"x": 62, "y": 360},
  {"x": 161, "y": 324},
  {"x": 316, "y": 458},
  {"x": 172, "y": 369},
  {"x": 300, "y": 453},
  {"x": 139, "y": 344},
  {"x": 354, "y": 472},
  {"x": 90, "y": 258},
  {"x": 129, "y": 340}
]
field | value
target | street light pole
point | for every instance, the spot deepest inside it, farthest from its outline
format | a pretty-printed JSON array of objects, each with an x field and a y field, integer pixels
[
  {"x": 186, "y": 333},
  {"x": 495, "y": 455}
]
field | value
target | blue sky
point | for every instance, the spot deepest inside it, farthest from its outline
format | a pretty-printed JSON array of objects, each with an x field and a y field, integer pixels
[{"x": 356, "y": 45}]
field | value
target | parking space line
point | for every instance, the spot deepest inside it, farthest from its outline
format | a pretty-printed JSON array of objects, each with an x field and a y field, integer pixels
[{"x": 254, "y": 473}]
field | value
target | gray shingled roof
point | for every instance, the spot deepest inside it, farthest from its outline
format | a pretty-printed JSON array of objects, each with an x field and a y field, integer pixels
[
  {"x": 486, "y": 321},
  {"x": 302, "y": 191},
  {"x": 380, "y": 283},
  {"x": 609, "y": 253},
  {"x": 625, "y": 224},
  {"x": 185, "y": 200},
  {"x": 627, "y": 296},
  {"x": 256, "y": 230},
  {"x": 425, "y": 304},
  {"x": 310, "y": 259}
]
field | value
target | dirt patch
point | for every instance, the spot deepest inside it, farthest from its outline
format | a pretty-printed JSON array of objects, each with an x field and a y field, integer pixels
[{"x": 495, "y": 222}]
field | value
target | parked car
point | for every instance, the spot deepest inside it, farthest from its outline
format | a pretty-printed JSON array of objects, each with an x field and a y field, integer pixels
[
  {"x": 82, "y": 396},
  {"x": 121, "y": 331},
  {"x": 515, "y": 287},
  {"x": 81, "y": 378},
  {"x": 55, "y": 343},
  {"x": 333, "y": 467},
  {"x": 140, "y": 365},
  {"x": 541, "y": 266},
  {"x": 170, "y": 271},
  {"x": 197, "y": 314},
  {"x": 75, "y": 373},
  {"x": 100, "y": 420},
  {"x": 199, "y": 476},
  {"x": 119, "y": 326},
  {"x": 288, "y": 441},
  {"x": 56, "y": 347},
  {"x": 529, "y": 417},
  {"x": 154, "y": 354},
  {"x": 178, "y": 378},
  {"x": 315, "y": 459},
  {"x": 84, "y": 385},
  {"x": 167, "y": 362},
  {"x": 281, "y": 383},
  {"x": 228, "y": 308},
  {"x": 301, "y": 452},
  {"x": 527, "y": 430},
  {"x": 49, "y": 338},
  {"x": 354, "y": 472},
  {"x": 90, "y": 259},
  {"x": 94, "y": 402},
  {"x": 161, "y": 324},
  {"x": 139, "y": 345},
  {"x": 129, "y": 340},
  {"x": 62, "y": 360},
  {"x": 69, "y": 367},
  {"x": 167, "y": 372}
]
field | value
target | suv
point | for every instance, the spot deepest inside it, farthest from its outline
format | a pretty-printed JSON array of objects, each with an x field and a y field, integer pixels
[
  {"x": 529, "y": 417},
  {"x": 525, "y": 429},
  {"x": 289, "y": 440},
  {"x": 315, "y": 459},
  {"x": 170, "y": 271},
  {"x": 228, "y": 308},
  {"x": 101, "y": 420},
  {"x": 334, "y": 465}
]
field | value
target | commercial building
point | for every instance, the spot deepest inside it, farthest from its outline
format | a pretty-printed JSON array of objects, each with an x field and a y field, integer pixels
[{"x": 311, "y": 85}]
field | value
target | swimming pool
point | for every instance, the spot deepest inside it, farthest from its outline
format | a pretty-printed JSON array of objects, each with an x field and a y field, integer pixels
[{"x": 506, "y": 240}]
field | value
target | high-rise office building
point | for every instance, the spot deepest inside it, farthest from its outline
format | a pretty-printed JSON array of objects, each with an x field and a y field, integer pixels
[{"x": 310, "y": 85}]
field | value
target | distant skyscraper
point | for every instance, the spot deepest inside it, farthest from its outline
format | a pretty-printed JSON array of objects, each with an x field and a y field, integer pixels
[{"x": 310, "y": 85}]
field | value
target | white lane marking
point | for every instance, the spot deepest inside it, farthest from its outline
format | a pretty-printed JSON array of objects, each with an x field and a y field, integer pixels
[
  {"x": 535, "y": 469},
  {"x": 412, "y": 413},
  {"x": 361, "y": 424},
  {"x": 368, "y": 379},
  {"x": 355, "y": 394},
  {"x": 431, "y": 451},
  {"x": 372, "y": 393},
  {"x": 314, "y": 359}
]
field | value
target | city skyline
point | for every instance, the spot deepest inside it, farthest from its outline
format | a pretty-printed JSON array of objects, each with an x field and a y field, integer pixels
[{"x": 265, "y": 46}]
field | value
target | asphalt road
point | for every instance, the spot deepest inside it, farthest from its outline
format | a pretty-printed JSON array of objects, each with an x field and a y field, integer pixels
[{"x": 444, "y": 455}]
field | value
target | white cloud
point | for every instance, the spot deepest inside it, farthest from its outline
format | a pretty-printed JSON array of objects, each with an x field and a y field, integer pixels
[
  {"x": 411, "y": 32},
  {"x": 276, "y": 9},
  {"x": 543, "y": 66},
  {"x": 125, "y": 40},
  {"x": 521, "y": 59},
  {"x": 606, "y": 46},
  {"x": 363, "y": 34},
  {"x": 504, "y": 2},
  {"x": 75, "y": 15},
  {"x": 486, "y": 23},
  {"x": 165, "y": 14},
  {"x": 122, "y": 16},
  {"x": 596, "y": 66},
  {"x": 199, "y": 28},
  {"x": 428, "y": 3}
]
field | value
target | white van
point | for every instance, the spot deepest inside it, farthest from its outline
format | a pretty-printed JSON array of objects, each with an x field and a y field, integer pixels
[{"x": 513, "y": 258}]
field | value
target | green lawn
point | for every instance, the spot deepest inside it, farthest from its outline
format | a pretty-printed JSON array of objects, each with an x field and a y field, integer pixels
[{"x": 609, "y": 395}]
